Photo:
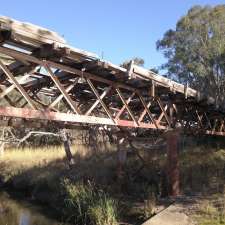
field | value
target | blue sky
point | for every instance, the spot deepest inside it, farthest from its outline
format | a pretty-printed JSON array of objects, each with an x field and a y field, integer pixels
[{"x": 120, "y": 29}]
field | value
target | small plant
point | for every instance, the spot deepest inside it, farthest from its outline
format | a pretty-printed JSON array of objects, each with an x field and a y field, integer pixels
[
  {"x": 85, "y": 205},
  {"x": 149, "y": 202},
  {"x": 149, "y": 207},
  {"x": 211, "y": 215}
]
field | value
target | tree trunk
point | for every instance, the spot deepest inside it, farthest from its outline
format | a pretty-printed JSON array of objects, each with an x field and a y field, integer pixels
[{"x": 66, "y": 143}]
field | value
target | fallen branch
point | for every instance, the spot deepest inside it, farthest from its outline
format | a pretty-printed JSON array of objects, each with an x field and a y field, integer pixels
[{"x": 35, "y": 133}]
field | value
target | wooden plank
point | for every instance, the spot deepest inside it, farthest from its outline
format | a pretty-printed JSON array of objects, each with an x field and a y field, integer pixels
[
  {"x": 221, "y": 125},
  {"x": 67, "y": 117},
  {"x": 31, "y": 31},
  {"x": 162, "y": 114},
  {"x": 215, "y": 124},
  {"x": 65, "y": 68},
  {"x": 18, "y": 86},
  {"x": 124, "y": 107},
  {"x": 59, "y": 98},
  {"x": 6, "y": 91},
  {"x": 129, "y": 123},
  {"x": 164, "y": 81},
  {"x": 199, "y": 118},
  {"x": 147, "y": 110},
  {"x": 62, "y": 90},
  {"x": 144, "y": 113},
  {"x": 52, "y": 116},
  {"x": 144, "y": 73},
  {"x": 208, "y": 121},
  {"x": 100, "y": 100},
  {"x": 127, "y": 107},
  {"x": 172, "y": 85},
  {"x": 106, "y": 91},
  {"x": 164, "y": 111},
  {"x": 215, "y": 133},
  {"x": 7, "y": 98}
]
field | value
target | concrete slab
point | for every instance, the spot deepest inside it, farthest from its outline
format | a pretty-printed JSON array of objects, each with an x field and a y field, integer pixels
[{"x": 173, "y": 215}]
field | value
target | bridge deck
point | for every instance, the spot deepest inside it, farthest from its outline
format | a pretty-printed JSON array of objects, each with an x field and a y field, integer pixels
[{"x": 42, "y": 78}]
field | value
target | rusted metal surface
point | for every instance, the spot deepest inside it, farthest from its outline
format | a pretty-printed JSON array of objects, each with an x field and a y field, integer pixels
[{"x": 173, "y": 173}]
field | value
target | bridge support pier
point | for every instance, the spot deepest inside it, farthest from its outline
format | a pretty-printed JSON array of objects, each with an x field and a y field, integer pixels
[{"x": 173, "y": 173}]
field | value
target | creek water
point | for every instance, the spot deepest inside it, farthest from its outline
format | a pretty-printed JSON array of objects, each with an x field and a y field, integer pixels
[{"x": 19, "y": 212}]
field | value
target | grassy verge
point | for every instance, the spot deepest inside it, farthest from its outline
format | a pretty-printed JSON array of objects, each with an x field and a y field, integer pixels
[
  {"x": 203, "y": 170},
  {"x": 211, "y": 212},
  {"x": 90, "y": 193}
]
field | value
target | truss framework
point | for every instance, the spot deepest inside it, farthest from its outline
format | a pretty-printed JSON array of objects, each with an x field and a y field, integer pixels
[{"x": 50, "y": 83}]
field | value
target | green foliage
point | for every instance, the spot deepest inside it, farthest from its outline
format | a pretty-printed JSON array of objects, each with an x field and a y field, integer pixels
[
  {"x": 86, "y": 205},
  {"x": 196, "y": 50},
  {"x": 136, "y": 60},
  {"x": 202, "y": 170}
]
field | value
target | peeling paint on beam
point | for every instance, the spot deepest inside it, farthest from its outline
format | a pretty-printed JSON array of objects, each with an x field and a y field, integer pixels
[{"x": 27, "y": 113}]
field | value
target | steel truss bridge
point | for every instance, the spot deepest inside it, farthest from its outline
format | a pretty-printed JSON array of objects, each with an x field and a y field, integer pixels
[{"x": 44, "y": 79}]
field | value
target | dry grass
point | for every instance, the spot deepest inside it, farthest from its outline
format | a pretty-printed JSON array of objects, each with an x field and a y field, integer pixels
[
  {"x": 30, "y": 166},
  {"x": 25, "y": 158},
  {"x": 39, "y": 173},
  {"x": 29, "y": 157},
  {"x": 211, "y": 212}
]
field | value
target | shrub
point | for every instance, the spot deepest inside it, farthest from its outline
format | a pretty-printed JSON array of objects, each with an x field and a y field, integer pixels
[
  {"x": 85, "y": 205},
  {"x": 149, "y": 202},
  {"x": 209, "y": 214}
]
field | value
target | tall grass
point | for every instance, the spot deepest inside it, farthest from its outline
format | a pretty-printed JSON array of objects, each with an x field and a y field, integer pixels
[
  {"x": 86, "y": 205},
  {"x": 212, "y": 212}
]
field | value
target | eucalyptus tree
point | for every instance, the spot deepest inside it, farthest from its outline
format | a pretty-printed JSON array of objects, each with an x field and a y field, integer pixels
[{"x": 195, "y": 50}]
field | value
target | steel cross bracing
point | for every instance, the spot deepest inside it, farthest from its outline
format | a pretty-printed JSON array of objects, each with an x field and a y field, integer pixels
[{"x": 42, "y": 79}]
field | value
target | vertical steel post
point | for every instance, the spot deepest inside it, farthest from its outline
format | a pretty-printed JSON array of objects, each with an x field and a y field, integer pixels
[{"x": 173, "y": 173}]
